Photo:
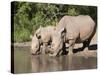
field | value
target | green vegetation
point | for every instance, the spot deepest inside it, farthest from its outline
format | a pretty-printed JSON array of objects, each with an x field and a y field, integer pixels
[{"x": 29, "y": 16}]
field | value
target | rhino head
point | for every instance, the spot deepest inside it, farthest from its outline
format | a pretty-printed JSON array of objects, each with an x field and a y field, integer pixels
[
  {"x": 35, "y": 46},
  {"x": 39, "y": 33},
  {"x": 57, "y": 41}
]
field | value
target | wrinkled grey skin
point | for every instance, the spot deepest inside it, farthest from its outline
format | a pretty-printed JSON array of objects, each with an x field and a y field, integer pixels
[
  {"x": 78, "y": 29},
  {"x": 44, "y": 35}
]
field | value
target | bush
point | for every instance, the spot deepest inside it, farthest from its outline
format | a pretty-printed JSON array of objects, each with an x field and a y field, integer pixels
[
  {"x": 72, "y": 12},
  {"x": 29, "y": 16},
  {"x": 21, "y": 35}
]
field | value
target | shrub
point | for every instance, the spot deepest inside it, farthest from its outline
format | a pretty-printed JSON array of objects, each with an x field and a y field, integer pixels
[{"x": 21, "y": 35}]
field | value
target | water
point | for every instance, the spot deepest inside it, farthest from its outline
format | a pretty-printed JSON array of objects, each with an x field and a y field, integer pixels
[{"x": 24, "y": 62}]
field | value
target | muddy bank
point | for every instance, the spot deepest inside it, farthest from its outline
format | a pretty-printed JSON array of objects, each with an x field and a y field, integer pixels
[{"x": 23, "y": 44}]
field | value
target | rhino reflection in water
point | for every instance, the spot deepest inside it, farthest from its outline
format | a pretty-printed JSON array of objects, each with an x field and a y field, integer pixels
[
  {"x": 44, "y": 63},
  {"x": 26, "y": 63},
  {"x": 72, "y": 29}
]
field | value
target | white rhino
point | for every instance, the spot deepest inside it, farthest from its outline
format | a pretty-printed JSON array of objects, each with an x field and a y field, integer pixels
[
  {"x": 42, "y": 39},
  {"x": 77, "y": 29}
]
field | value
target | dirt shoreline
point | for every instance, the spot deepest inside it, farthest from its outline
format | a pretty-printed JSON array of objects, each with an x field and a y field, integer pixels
[{"x": 22, "y": 44}]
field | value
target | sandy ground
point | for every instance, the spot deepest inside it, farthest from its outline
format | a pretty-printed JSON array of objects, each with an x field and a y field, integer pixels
[{"x": 24, "y": 44}]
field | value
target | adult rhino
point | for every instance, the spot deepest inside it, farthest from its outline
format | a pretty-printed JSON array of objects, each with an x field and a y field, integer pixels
[
  {"x": 72, "y": 29},
  {"x": 43, "y": 38}
]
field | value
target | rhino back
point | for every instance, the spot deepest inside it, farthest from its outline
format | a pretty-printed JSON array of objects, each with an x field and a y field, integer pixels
[
  {"x": 77, "y": 26},
  {"x": 46, "y": 33},
  {"x": 86, "y": 26}
]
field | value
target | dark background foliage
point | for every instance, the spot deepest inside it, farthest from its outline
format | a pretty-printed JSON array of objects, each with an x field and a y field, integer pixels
[{"x": 28, "y": 16}]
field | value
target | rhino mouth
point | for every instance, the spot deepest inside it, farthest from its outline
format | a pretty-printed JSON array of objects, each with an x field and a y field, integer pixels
[
  {"x": 36, "y": 53},
  {"x": 55, "y": 52},
  {"x": 50, "y": 50}
]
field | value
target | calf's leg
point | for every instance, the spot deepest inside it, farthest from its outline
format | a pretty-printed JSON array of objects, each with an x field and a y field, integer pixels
[
  {"x": 71, "y": 45},
  {"x": 44, "y": 48}
]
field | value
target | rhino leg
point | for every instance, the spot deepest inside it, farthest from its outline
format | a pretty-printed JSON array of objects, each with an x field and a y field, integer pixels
[
  {"x": 60, "y": 52},
  {"x": 44, "y": 48},
  {"x": 55, "y": 53},
  {"x": 86, "y": 44},
  {"x": 71, "y": 45},
  {"x": 41, "y": 47}
]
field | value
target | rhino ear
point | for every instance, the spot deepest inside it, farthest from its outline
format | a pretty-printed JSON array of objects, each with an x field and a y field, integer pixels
[
  {"x": 38, "y": 30},
  {"x": 38, "y": 36},
  {"x": 62, "y": 32}
]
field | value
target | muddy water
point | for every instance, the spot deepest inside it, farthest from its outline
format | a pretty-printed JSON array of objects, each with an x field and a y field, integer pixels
[{"x": 24, "y": 62}]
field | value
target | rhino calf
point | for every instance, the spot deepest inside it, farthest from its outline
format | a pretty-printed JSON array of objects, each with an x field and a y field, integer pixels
[
  {"x": 77, "y": 29},
  {"x": 42, "y": 39},
  {"x": 44, "y": 35}
]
